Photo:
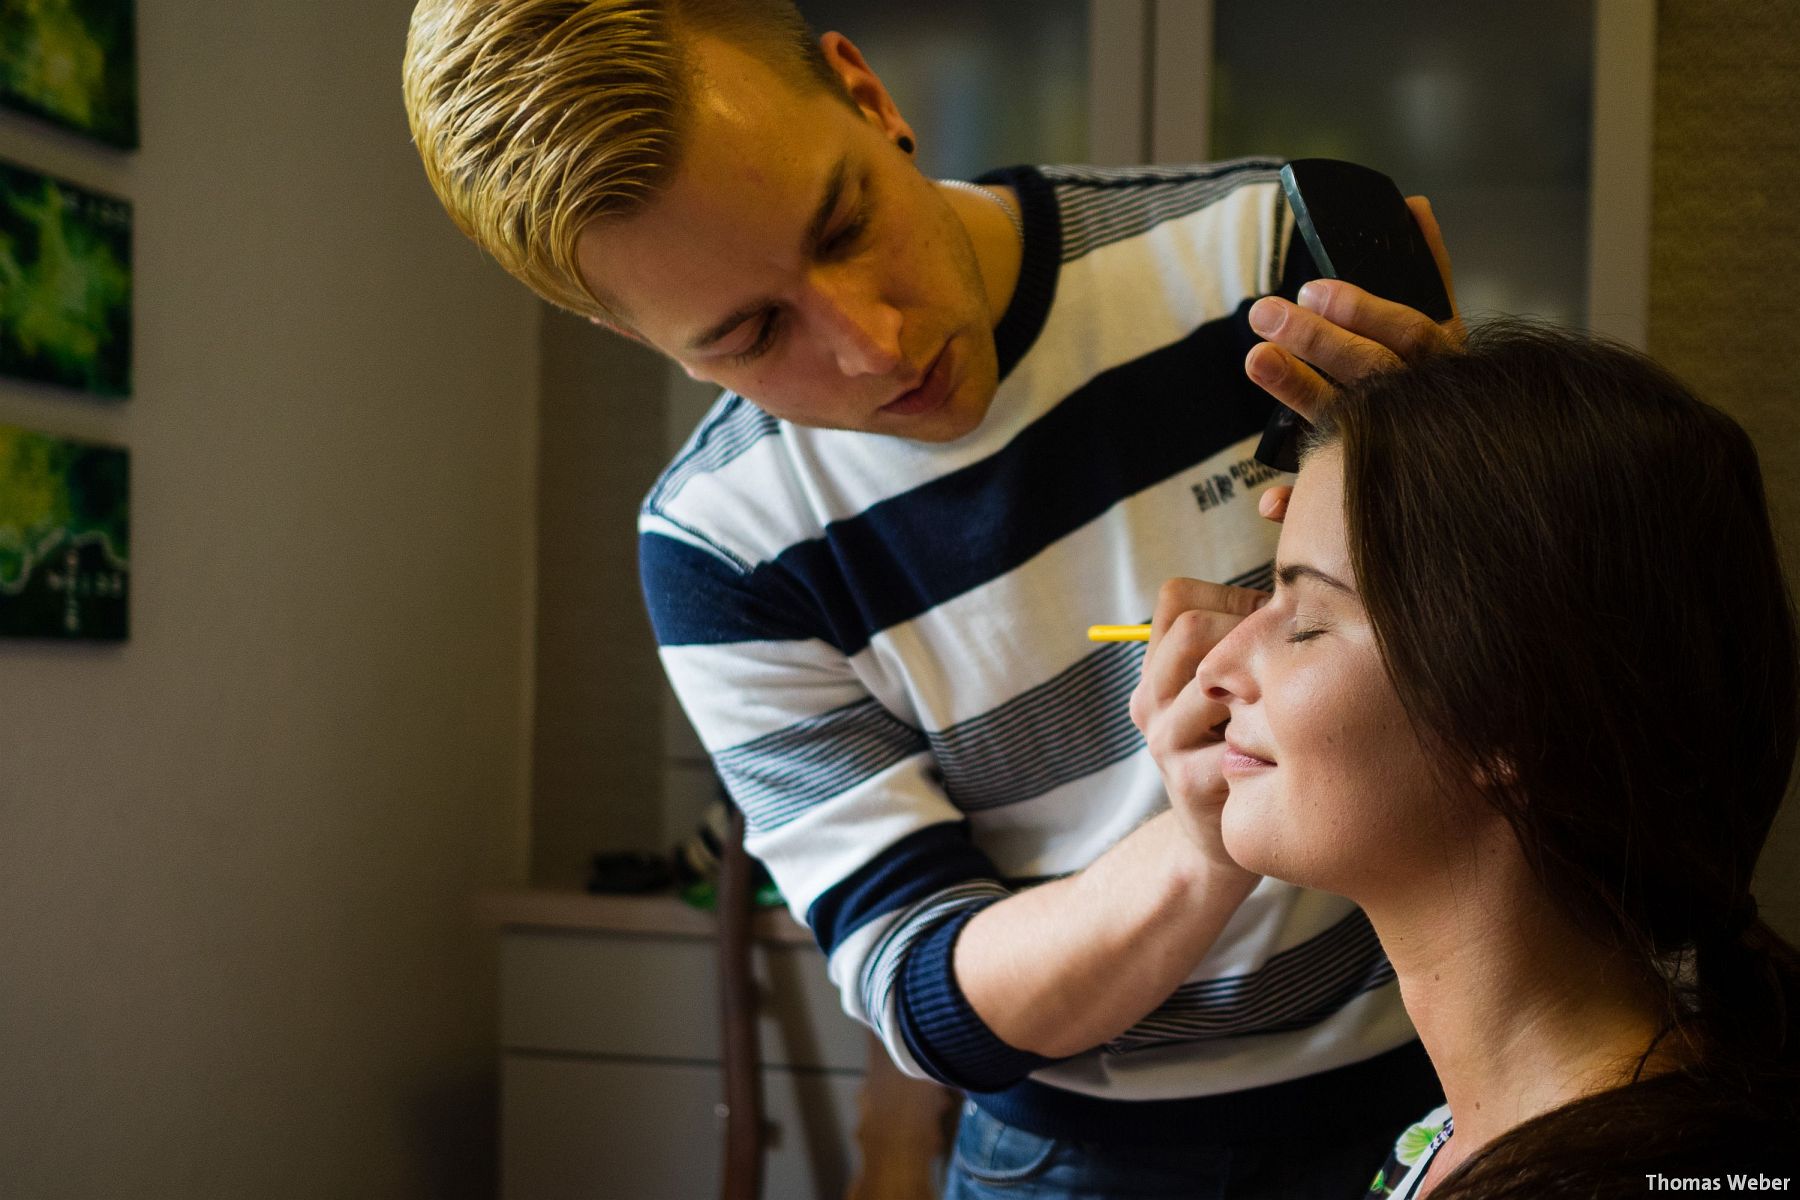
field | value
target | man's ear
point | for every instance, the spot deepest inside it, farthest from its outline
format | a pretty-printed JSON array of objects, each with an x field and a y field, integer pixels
[{"x": 864, "y": 86}]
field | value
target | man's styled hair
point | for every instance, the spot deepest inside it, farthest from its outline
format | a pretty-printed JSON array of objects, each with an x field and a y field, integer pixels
[{"x": 536, "y": 117}]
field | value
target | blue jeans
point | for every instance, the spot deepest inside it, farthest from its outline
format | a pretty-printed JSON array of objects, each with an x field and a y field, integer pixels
[{"x": 995, "y": 1161}]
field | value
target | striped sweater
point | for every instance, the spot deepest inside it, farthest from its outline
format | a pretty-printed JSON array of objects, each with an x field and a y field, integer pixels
[{"x": 881, "y": 644}]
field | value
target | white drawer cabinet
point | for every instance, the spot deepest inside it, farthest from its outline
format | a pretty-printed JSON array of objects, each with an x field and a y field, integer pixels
[
  {"x": 609, "y": 1044},
  {"x": 608, "y": 1129}
]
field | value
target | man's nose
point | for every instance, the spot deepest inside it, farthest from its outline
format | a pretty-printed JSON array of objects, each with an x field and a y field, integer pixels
[{"x": 862, "y": 330}]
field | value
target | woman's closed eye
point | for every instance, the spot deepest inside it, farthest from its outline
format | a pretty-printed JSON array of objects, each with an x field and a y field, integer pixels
[{"x": 1306, "y": 631}]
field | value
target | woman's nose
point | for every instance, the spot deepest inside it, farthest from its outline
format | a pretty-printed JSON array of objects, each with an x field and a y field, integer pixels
[{"x": 1224, "y": 673}]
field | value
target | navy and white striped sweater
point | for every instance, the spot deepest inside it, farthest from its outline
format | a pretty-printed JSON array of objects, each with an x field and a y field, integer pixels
[{"x": 881, "y": 644}]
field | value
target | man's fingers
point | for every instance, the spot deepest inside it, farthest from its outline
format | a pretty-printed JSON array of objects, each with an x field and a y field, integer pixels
[
  {"x": 1177, "y": 596},
  {"x": 1288, "y": 379},
  {"x": 1331, "y": 329},
  {"x": 1192, "y": 616},
  {"x": 1176, "y": 648},
  {"x": 1338, "y": 331},
  {"x": 1194, "y": 777},
  {"x": 1370, "y": 332},
  {"x": 1434, "y": 237},
  {"x": 1190, "y": 722}
]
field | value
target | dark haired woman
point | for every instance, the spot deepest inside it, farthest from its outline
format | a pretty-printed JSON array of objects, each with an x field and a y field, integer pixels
[{"x": 1526, "y": 691}]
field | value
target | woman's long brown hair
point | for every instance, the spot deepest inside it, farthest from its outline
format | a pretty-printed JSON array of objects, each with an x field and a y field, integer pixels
[{"x": 1568, "y": 562}]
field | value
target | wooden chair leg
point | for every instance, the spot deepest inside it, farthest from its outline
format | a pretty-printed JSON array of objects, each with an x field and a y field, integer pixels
[
  {"x": 903, "y": 1131},
  {"x": 737, "y": 1010}
]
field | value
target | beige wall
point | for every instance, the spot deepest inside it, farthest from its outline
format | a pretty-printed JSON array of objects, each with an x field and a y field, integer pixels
[
  {"x": 598, "y": 750},
  {"x": 236, "y": 854},
  {"x": 1725, "y": 258}
]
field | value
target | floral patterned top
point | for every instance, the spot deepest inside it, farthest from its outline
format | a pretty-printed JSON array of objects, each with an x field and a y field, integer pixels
[{"x": 1400, "y": 1176}]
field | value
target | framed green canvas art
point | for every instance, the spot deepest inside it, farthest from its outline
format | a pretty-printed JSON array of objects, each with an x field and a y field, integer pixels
[
  {"x": 65, "y": 537},
  {"x": 73, "y": 62},
  {"x": 65, "y": 283}
]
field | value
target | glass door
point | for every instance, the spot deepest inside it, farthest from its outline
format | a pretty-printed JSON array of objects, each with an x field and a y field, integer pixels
[
  {"x": 984, "y": 83},
  {"x": 1528, "y": 125}
]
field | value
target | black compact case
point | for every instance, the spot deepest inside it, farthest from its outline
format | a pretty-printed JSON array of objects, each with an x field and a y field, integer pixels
[{"x": 1356, "y": 227}]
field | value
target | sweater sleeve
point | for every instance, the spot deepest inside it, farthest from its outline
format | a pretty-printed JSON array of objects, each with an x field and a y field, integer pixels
[{"x": 842, "y": 799}]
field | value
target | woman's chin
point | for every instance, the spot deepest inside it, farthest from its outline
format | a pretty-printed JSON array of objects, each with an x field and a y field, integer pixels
[
  {"x": 1249, "y": 844},
  {"x": 1257, "y": 847}
]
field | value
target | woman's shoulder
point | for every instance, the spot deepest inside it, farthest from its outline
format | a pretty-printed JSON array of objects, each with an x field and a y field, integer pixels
[
  {"x": 1670, "y": 1133},
  {"x": 1412, "y": 1152}
]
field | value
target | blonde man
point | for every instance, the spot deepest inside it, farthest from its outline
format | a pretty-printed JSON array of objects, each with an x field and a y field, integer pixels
[{"x": 959, "y": 423}]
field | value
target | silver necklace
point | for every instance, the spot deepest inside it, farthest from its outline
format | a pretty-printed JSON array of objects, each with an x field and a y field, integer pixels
[{"x": 1012, "y": 214}]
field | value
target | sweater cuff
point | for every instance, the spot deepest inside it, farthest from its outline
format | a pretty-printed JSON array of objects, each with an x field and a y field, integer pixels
[{"x": 941, "y": 1029}]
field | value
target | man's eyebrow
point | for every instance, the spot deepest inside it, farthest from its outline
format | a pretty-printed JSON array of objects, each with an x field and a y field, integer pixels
[
  {"x": 1287, "y": 573},
  {"x": 815, "y": 233},
  {"x": 720, "y": 328},
  {"x": 828, "y": 202}
]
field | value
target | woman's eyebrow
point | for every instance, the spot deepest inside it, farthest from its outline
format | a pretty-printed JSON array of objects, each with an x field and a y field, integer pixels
[{"x": 1288, "y": 573}]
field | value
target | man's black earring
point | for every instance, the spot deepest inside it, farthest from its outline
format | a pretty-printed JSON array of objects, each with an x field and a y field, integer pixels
[{"x": 905, "y": 143}]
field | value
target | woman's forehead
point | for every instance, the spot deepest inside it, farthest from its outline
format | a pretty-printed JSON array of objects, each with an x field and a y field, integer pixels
[{"x": 1313, "y": 530}]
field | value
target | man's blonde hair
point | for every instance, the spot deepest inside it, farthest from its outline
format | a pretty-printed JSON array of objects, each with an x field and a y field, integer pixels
[{"x": 536, "y": 117}]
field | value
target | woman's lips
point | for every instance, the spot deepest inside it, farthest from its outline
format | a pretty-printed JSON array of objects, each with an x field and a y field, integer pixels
[
  {"x": 932, "y": 391},
  {"x": 1241, "y": 762}
]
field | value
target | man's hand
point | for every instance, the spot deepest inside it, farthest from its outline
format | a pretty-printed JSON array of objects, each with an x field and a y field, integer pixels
[
  {"x": 1343, "y": 331},
  {"x": 1062, "y": 967},
  {"x": 1185, "y": 728}
]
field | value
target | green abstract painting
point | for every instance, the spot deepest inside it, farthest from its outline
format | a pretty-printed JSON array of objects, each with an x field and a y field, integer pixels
[
  {"x": 73, "y": 62},
  {"x": 65, "y": 283},
  {"x": 65, "y": 537}
]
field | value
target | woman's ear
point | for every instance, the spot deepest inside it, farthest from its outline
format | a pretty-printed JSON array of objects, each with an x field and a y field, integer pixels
[{"x": 1496, "y": 772}]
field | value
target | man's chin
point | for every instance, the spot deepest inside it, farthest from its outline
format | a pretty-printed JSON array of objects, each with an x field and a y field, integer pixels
[
  {"x": 961, "y": 414},
  {"x": 942, "y": 427}
]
